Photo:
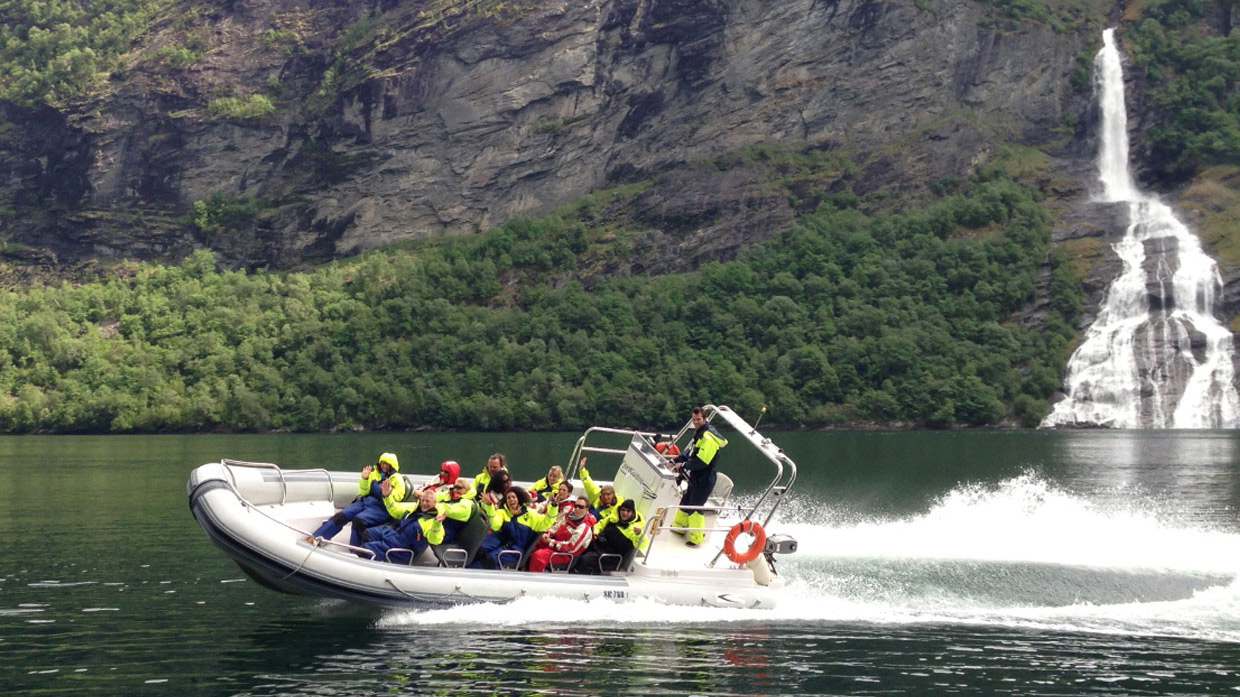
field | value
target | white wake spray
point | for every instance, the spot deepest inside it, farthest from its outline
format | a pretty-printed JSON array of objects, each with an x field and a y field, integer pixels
[{"x": 977, "y": 557}]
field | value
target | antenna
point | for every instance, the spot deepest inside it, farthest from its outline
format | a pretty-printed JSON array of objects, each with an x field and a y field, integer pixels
[{"x": 760, "y": 415}]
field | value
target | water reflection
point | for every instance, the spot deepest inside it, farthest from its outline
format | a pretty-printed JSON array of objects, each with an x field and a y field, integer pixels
[
  {"x": 1197, "y": 465},
  {"x": 569, "y": 660},
  {"x": 1107, "y": 449}
]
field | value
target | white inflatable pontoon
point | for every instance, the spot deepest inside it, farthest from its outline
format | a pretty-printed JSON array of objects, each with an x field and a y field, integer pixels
[{"x": 261, "y": 516}]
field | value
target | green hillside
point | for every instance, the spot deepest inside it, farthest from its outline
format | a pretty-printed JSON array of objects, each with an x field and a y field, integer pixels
[{"x": 846, "y": 317}]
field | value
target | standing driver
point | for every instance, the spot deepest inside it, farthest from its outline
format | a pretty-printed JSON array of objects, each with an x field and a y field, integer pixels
[{"x": 698, "y": 461}]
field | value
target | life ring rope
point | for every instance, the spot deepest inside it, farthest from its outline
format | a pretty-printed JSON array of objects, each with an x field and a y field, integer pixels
[{"x": 747, "y": 527}]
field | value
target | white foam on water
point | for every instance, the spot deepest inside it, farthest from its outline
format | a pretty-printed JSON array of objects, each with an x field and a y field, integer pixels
[
  {"x": 1026, "y": 519},
  {"x": 1022, "y": 521}
]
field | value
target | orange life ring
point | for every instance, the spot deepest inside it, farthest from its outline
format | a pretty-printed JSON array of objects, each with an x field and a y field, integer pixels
[
  {"x": 755, "y": 548},
  {"x": 667, "y": 448}
]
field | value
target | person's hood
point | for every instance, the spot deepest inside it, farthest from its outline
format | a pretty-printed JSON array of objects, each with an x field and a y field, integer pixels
[{"x": 453, "y": 471}]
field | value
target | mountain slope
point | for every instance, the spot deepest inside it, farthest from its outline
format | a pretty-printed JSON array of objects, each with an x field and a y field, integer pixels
[{"x": 282, "y": 136}]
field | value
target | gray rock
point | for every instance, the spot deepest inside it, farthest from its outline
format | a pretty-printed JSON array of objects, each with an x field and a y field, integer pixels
[{"x": 464, "y": 123}]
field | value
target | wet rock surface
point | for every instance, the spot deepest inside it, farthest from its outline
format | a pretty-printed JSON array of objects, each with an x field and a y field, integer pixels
[{"x": 452, "y": 126}]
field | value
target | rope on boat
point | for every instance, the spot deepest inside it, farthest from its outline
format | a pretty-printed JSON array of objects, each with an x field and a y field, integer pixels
[
  {"x": 475, "y": 598},
  {"x": 303, "y": 561},
  {"x": 411, "y": 596},
  {"x": 443, "y": 598}
]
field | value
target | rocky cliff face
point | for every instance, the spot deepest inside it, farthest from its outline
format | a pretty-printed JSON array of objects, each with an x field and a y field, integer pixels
[{"x": 438, "y": 118}]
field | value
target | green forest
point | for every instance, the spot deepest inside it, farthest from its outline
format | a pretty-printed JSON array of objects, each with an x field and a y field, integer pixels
[
  {"x": 1191, "y": 63},
  {"x": 846, "y": 317},
  {"x": 53, "y": 50}
]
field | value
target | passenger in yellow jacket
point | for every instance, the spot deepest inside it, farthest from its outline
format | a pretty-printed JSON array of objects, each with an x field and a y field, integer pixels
[
  {"x": 496, "y": 463},
  {"x": 603, "y": 499},
  {"x": 460, "y": 489},
  {"x": 459, "y": 506},
  {"x": 421, "y": 524},
  {"x": 370, "y": 507},
  {"x": 622, "y": 534},
  {"x": 515, "y": 527},
  {"x": 545, "y": 488}
]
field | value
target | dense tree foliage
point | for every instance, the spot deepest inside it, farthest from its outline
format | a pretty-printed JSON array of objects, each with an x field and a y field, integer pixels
[
  {"x": 1192, "y": 66},
  {"x": 895, "y": 317},
  {"x": 51, "y": 50}
]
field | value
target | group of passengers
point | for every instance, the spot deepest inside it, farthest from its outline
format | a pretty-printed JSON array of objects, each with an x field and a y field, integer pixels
[{"x": 546, "y": 521}]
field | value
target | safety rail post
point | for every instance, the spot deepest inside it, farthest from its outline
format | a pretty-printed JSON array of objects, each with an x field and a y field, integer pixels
[
  {"x": 327, "y": 476},
  {"x": 653, "y": 526},
  {"x": 571, "y": 470},
  {"x": 259, "y": 465},
  {"x": 331, "y": 488}
]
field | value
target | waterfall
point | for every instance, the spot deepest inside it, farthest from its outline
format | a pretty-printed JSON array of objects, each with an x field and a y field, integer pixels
[{"x": 1156, "y": 356}]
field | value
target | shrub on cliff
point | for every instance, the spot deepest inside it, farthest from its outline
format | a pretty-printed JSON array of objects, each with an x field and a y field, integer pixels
[
  {"x": 52, "y": 50},
  {"x": 1192, "y": 73}
]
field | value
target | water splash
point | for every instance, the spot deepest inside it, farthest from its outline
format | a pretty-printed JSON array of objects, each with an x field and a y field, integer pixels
[
  {"x": 1156, "y": 356},
  {"x": 1022, "y": 553}
]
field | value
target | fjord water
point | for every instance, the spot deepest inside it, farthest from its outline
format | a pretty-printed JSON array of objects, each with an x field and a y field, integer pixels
[
  {"x": 1156, "y": 356},
  {"x": 930, "y": 562}
]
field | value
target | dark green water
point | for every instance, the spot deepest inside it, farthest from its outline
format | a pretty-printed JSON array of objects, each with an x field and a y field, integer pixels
[{"x": 930, "y": 563}]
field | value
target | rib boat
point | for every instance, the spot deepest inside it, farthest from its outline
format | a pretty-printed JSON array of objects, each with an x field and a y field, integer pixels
[{"x": 261, "y": 515}]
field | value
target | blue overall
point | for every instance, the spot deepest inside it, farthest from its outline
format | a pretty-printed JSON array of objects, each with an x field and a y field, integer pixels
[
  {"x": 512, "y": 535},
  {"x": 365, "y": 512},
  {"x": 408, "y": 536}
]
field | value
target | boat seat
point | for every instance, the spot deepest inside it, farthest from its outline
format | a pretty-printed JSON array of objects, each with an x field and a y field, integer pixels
[
  {"x": 616, "y": 563},
  {"x": 408, "y": 488},
  {"x": 718, "y": 498},
  {"x": 561, "y": 562},
  {"x": 513, "y": 560},
  {"x": 460, "y": 553},
  {"x": 723, "y": 489}
]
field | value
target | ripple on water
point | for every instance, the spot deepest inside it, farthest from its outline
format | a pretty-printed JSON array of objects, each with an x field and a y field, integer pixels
[{"x": 6, "y": 612}]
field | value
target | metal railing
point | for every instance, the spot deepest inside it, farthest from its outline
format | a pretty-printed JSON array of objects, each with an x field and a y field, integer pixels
[
  {"x": 762, "y": 510},
  {"x": 317, "y": 541},
  {"x": 570, "y": 471}
]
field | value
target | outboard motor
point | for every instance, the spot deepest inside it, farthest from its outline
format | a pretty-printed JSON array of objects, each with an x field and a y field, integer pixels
[
  {"x": 780, "y": 544},
  {"x": 764, "y": 565}
]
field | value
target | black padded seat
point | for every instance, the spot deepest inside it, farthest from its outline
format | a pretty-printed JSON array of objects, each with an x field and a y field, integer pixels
[{"x": 460, "y": 553}]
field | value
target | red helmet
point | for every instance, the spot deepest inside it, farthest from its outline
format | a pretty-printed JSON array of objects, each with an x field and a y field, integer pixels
[{"x": 449, "y": 470}]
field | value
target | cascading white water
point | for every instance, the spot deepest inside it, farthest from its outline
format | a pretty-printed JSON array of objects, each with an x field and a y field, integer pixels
[{"x": 1156, "y": 356}]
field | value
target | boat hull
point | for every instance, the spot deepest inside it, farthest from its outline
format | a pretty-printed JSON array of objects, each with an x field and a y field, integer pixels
[{"x": 259, "y": 518}]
